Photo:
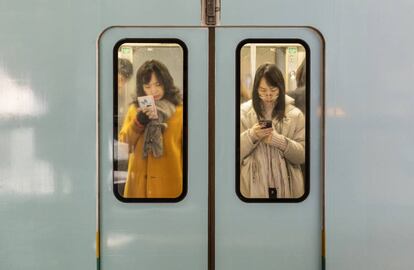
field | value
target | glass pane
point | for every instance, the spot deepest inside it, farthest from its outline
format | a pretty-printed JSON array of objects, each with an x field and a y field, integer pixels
[
  {"x": 272, "y": 142},
  {"x": 150, "y": 120}
]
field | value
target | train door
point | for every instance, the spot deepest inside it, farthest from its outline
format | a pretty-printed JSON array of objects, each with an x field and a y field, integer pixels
[
  {"x": 166, "y": 230},
  {"x": 219, "y": 222},
  {"x": 273, "y": 225}
]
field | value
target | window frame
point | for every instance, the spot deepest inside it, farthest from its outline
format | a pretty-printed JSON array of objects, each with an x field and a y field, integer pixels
[
  {"x": 185, "y": 119},
  {"x": 306, "y": 177}
]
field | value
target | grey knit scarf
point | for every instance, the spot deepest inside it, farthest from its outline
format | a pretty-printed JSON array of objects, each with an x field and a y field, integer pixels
[{"x": 153, "y": 139}]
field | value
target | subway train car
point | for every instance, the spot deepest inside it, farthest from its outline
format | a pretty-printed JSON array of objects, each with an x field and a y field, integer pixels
[{"x": 219, "y": 135}]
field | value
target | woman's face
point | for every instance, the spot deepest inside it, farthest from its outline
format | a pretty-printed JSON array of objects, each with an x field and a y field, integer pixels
[
  {"x": 154, "y": 88},
  {"x": 267, "y": 93}
]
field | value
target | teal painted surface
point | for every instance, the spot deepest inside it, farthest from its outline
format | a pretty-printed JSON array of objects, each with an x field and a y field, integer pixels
[
  {"x": 47, "y": 168},
  {"x": 157, "y": 235},
  {"x": 369, "y": 149},
  {"x": 47, "y": 124},
  {"x": 47, "y": 142},
  {"x": 369, "y": 97},
  {"x": 264, "y": 235}
]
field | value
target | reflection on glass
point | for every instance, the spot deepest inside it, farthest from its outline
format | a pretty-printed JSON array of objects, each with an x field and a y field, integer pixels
[
  {"x": 272, "y": 121},
  {"x": 150, "y": 115}
]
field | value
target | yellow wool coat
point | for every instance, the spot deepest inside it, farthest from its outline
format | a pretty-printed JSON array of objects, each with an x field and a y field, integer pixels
[{"x": 154, "y": 177}]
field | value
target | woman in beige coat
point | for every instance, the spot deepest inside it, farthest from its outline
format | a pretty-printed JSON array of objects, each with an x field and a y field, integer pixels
[{"x": 270, "y": 157}]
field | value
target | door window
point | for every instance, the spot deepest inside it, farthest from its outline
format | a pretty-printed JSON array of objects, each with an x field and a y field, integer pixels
[
  {"x": 150, "y": 120},
  {"x": 272, "y": 140}
]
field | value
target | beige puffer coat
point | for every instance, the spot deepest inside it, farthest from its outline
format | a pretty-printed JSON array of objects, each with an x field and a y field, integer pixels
[{"x": 254, "y": 166}]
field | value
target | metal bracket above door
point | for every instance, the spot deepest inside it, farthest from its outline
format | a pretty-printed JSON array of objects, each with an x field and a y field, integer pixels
[{"x": 210, "y": 12}]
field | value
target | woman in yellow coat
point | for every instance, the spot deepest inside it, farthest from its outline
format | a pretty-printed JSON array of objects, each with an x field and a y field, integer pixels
[{"x": 155, "y": 167}]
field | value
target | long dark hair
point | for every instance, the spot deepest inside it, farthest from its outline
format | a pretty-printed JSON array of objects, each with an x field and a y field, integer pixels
[
  {"x": 171, "y": 92},
  {"x": 273, "y": 78}
]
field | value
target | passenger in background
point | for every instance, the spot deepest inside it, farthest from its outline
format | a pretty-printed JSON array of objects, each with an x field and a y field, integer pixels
[
  {"x": 121, "y": 153},
  {"x": 155, "y": 168},
  {"x": 245, "y": 88},
  {"x": 272, "y": 140},
  {"x": 125, "y": 71},
  {"x": 299, "y": 94}
]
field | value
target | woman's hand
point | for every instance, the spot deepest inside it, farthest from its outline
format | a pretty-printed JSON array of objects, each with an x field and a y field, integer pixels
[
  {"x": 276, "y": 139},
  {"x": 268, "y": 139},
  {"x": 145, "y": 115},
  {"x": 150, "y": 113},
  {"x": 260, "y": 132}
]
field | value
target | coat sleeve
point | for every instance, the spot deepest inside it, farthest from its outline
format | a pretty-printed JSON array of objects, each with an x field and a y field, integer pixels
[
  {"x": 130, "y": 132},
  {"x": 246, "y": 143},
  {"x": 295, "y": 149}
]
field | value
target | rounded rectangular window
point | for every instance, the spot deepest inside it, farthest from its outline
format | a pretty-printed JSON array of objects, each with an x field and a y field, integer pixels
[
  {"x": 272, "y": 124},
  {"x": 150, "y": 120}
]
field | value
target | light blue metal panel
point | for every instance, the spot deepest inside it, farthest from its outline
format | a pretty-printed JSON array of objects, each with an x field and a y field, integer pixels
[
  {"x": 47, "y": 142},
  {"x": 150, "y": 12},
  {"x": 264, "y": 235},
  {"x": 157, "y": 235},
  {"x": 47, "y": 123},
  {"x": 369, "y": 127},
  {"x": 270, "y": 12}
]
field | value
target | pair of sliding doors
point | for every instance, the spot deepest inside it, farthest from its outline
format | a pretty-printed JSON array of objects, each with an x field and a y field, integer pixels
[{"x": 156, "y": 208}]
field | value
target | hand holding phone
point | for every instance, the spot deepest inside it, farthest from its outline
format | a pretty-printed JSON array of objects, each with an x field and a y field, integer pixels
[
  {"x": 261, "y": 132},
  {"x": 147, "y": 106},
  {"x": 265, "y": 124}
]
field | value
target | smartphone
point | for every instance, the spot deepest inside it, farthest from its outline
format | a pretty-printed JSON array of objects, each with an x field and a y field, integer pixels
[
  {"x": 147, "y": 102},
  {"x": 265, "y": 123}
]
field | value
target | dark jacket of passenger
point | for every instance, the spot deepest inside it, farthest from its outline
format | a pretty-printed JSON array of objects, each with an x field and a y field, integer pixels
[{"x": 299, "y": 95}]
